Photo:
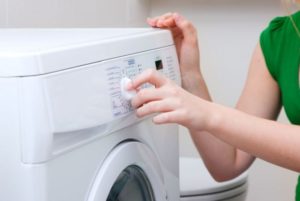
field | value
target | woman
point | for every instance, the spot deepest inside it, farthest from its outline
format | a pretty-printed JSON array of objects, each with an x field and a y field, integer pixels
[{"x": 229, "y": 139}]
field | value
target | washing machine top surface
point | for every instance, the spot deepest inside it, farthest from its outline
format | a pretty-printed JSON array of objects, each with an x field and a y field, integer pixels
[
  {"x": 27, "y": 52},
  {"x": 195, "y": 179}
]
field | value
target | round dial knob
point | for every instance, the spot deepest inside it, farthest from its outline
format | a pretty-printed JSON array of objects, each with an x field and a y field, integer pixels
[{"x": 127, "y": 94}]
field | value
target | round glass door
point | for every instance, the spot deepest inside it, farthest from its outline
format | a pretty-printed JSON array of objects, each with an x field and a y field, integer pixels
[
  {"x": 131, "y": 172},
  {"x": 131, "y": 185}
]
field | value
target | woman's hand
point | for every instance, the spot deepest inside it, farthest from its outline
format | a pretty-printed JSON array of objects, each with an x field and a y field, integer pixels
[
  {"x": 186, "y": 41},
  {"x": 171, "y": 102},
  {"x": 185, "y": 38}
]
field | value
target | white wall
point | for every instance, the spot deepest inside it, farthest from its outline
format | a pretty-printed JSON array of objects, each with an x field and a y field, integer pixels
[
  {"x": 73, "y": 13},
  {"x": 229, "y": 31}
]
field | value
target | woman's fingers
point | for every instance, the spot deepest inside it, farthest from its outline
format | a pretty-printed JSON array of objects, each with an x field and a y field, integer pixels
[
  {"x": 171, "y": 20},
  {"x": 145, "y": 96},
  {"x": 149, "y": 76},
  {"x": 155, "y": 107},
  {"x": 187, "y": 28},
  {"x": 175, "y": 116},
  {"x": 152, "y": 22},
  {"x": 170, "y": 23},
  {"x": 165, "y": 22},
  {"x": 162, "y": 21}
]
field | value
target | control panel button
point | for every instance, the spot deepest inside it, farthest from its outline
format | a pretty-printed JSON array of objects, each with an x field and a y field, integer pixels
[{"x": 127, "y": 94}]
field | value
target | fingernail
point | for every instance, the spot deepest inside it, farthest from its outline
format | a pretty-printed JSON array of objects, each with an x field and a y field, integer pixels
[
  {"x": 159, "y": 23},
  {"x": 129, "y": 86},
  {"x": 177, "y": 17},
  {"x": 151, "y": 22}
]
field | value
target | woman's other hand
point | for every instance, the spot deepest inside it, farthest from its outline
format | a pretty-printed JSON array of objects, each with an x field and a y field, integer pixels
[{"x": 186, "y": 41}]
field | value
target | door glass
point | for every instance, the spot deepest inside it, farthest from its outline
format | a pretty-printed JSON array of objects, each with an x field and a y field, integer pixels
[{"x": 131, "y": 185}]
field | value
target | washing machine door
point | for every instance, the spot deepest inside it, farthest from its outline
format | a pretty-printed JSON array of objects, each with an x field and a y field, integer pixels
[{"x": 131, "y": 172}]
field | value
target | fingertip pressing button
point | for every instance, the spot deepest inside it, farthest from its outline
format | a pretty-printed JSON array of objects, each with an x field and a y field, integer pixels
[{"x": 127, "y": 94}]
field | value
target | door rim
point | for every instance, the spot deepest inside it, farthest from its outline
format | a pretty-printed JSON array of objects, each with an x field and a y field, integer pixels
[{"x": 124, "y": 155}]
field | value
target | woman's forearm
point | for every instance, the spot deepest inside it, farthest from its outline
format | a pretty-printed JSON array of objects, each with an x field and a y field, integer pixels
[
  {"x": 269, "y": 140},
  {"x": 194, "y": 83},
  {"x": 219, "y": 157}
]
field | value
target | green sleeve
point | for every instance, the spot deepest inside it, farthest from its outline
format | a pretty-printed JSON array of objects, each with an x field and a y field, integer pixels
[{"x": 270, "y": 42}]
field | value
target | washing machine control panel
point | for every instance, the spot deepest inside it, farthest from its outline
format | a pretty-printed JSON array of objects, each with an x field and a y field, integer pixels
[
  {"x": 121, "y": 72},
  {"x": 92, "y": 95}
]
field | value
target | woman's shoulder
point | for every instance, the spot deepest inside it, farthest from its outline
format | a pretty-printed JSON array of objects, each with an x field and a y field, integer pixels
[
  {"x": 276, "y": 38},
  {"x": 283, "y": 24},
  {"x": 277, "y": 23}
]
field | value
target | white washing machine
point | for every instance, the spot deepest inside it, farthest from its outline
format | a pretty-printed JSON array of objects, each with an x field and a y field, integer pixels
[
  {"x": 67, "y": 132},
  {"x": 196, "y": 184}
]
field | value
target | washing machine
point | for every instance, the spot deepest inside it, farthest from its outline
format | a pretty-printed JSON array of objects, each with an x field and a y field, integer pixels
[
  {"x": 68, "y": 131},
  {"x": 196, "y": 184}
]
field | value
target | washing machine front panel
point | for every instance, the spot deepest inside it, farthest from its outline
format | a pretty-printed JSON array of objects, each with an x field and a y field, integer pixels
[
  {"x": 59, "y": 141},
  {"x": 130, "y": 172},
  {"x": 60, "y": 105},
  {"x": 72, "y": 175}
]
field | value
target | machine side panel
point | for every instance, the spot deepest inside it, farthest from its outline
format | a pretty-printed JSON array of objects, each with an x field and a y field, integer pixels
[{"x": 17, "y": 181}]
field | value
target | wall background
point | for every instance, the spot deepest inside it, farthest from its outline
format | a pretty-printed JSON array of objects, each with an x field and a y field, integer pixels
[
  {"x": 73, "y": 13},
  {"x": 228, "y": 31}
]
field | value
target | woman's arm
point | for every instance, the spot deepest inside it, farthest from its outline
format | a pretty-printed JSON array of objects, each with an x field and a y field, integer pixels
[
  {"x": 260, "y": 97},
  {"x": 217, "y": 130},
  {"x": 272, "y": 141}
]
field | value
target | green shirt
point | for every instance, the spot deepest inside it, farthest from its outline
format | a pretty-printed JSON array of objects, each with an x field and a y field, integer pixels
[{"x": 280, "y": 45}]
